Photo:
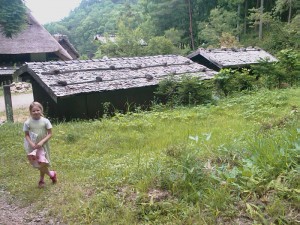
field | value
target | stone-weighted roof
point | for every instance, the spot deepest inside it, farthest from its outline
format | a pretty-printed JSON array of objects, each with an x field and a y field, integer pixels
[
  {"x": 233, "y": 57},
  {"x": 7, "y": 71},
  {"x": 62, "y": 79}
]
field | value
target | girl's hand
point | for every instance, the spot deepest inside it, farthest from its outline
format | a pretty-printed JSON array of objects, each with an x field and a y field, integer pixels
[
  {"x": 32, "y": 145},
  {"x": 38, "y": 145}
]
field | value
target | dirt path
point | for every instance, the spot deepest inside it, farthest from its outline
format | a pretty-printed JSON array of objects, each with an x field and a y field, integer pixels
[
  {"x": 18, "y": 101},
  {"x": 11, "y": 213},
  {"x": 20, "y": 104}
]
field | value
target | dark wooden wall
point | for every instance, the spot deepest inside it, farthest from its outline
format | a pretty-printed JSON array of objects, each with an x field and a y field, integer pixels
[
  {"x": 91, "y": 105},
  {"x": 6, "y": 79}
]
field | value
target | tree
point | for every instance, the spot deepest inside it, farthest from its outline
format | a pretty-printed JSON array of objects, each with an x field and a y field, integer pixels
[
  {"x": 284, "y": 5},
  {"x": 160, "y": 45},
  {"x": 12, "y": 17},
  {"x": 261, "y": 19},
  {"x": 220, "y": 21},
  {"x": 191, "y": 25}
]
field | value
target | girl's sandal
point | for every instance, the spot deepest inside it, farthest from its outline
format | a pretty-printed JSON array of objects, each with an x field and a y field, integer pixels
[
  {"x": 41, "y": 184},
  {"x": 54, "y": 178}
]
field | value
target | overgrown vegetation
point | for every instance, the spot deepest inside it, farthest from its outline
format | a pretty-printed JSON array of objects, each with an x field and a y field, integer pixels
[
  {"x": 235, "y": 162},
  {"x": 12, "y": 17},
  {"x": 177, "y": 27},
  {"x": 188, "y": 91},
  {"x": 192, "y": 91}
]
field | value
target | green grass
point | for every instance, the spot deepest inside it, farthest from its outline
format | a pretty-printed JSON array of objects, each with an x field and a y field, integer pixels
[{"x": 231, "y": 163}]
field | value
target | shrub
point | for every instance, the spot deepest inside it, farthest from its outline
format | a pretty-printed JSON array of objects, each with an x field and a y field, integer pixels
[
  {"x": 289, "y": 66},
  {"x": 188, "y": 91},
  {"x": 228, "y": 81},
  {"x": 285, "y": 72}
]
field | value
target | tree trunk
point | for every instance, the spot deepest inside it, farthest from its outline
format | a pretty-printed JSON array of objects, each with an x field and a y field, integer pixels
[
  {"x": 238, "y": 21},
  {"x": 261, "y": 19},
  {"x": 245, "y": 17},
  {"x": 290, "y": 11},
  {"x": 191, "y": 25}
]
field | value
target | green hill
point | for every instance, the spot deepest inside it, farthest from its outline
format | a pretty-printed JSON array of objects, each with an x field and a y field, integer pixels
[{"x": 235, "y": 162}]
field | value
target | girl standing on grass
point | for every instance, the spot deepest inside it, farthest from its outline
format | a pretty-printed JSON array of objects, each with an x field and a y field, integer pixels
[{"x": 38, "y": 130}]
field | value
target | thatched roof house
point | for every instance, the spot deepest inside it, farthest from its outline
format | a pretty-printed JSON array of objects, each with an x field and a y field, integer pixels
[
  {"x": 63, "y": 40},
  {"x": 113, "y": 38},
  {"x": 32, "y": 44},
  {"x": 78, "y": 89},
  {"x": 217, "y": 59}
]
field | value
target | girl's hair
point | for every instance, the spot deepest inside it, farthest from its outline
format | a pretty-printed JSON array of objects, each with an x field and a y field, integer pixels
[{"x": 37, "y": 104}]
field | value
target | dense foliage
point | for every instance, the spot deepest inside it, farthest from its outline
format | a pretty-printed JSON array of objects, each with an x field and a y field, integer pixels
[
  {"x": 191, "y": 91},
  {"x": 179, "y": 26},
  {"x": 12, "y": 17},
  {"x": 168, "y": 26}
]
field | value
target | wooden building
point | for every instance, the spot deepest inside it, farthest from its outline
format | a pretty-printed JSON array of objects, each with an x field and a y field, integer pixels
[
  {"x": 217, "y": 59},
  {"x": 103, "y": 39},
  {"x": 63, "y": 40},
  {"x": 79, "y": 89}
]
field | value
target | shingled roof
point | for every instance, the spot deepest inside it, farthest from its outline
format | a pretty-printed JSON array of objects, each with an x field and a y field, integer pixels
[
  {"x": 33, "y": 39},
  {"x": 62, "y": 79},
  {"x": 232, "y": 57}
]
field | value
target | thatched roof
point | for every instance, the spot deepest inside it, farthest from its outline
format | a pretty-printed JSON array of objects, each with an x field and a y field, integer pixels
[
  {"x": 34, "y": 39},
  {"x": 63, "y": 40},
  {"x": 232, "y": 57},
  {"x": 62, "y": 79}
]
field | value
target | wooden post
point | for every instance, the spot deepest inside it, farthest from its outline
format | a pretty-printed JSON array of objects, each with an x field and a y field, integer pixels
[{"x": 8, "y": 103}]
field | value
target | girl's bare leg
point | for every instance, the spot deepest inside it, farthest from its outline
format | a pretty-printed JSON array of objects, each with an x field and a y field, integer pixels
[{"x": 43, "y": 170}]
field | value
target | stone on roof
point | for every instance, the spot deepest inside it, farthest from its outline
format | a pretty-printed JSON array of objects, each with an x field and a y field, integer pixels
[{"x": 62, "y": 79}]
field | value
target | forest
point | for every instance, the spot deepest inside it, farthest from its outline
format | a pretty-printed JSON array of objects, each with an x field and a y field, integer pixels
[{"x": 151, "y": 27}]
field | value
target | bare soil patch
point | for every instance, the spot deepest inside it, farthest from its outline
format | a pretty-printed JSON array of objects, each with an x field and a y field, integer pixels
[{"x": 12, "y": 213}]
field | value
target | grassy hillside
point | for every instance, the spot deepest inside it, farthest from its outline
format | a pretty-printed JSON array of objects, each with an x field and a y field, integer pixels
[{"x": 236, "y": 162}]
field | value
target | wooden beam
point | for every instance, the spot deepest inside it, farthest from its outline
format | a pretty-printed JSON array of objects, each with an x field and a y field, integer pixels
[{"x": 8, "y": 103}]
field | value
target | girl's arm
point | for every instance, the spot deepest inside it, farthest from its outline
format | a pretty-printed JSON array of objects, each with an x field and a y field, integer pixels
[
  {"x": 31, "y": 143},
  {"x": 44, "y": 140}
]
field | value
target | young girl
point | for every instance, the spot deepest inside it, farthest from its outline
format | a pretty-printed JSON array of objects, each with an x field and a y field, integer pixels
[{"x": 38, "y": 130}]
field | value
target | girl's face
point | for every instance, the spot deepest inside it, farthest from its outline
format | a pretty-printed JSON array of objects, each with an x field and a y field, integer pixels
[{"x": 36, "y": 112}]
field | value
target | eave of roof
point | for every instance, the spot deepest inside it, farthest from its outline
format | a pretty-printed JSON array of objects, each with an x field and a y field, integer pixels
[
  {"x": 7, "y": 70},
  {"x": 63, "y": 79},
  {"x": 63, "y": 39}
]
